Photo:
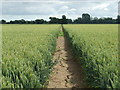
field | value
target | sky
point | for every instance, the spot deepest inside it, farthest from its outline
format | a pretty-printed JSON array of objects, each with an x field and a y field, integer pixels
[{"x": 43, "y": 9}]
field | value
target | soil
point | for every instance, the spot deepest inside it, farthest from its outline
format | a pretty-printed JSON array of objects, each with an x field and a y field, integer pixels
[{"x": 67, "y": 73}]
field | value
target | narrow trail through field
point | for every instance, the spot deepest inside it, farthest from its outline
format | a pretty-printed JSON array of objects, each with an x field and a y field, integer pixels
[{"x": 67, "y": 73}]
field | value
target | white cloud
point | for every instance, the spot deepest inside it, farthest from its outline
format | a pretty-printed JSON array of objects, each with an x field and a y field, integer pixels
[
  {"x": 101, "y": 6},
  {"x": 71, "y": 8},
  {"x": 106, "y": 9},
  {"x": 63, "y": 9},
  {"x": 72, "y": 11},
  {"x": 43, "y": 10}
]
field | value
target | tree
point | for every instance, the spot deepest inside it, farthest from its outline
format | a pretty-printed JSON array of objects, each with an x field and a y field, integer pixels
[
  {"x": 95, "y": 20},
  {"x": 53, "y": 20},
  {"x": 118, "y": 19},
  {"x": 12, "y": 22},
  {"x": 39, "y": 21},
  {"x": 2, "y": 22},
  {"x": 108, "y": 20},
  {"x": 22, "y": 21},
  {"x": 64, "y": 20},
  {"x": 85, "y": 18},
  {"x": 17, "y": 22},
  {"x": 78, "y": 21},
  {"x": 69, "y": 21}
]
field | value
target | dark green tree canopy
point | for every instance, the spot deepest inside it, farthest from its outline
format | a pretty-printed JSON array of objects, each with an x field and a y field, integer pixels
[{"x": 85, "y": 19}]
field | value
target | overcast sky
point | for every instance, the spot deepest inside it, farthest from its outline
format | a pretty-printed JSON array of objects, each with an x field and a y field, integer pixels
[{"x": 37, "y": 9}]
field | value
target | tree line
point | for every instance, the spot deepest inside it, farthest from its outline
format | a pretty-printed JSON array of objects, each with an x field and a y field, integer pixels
[{"x": 85, "y": 19}]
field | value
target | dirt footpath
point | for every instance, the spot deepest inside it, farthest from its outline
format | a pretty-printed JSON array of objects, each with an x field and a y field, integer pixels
[{"x": 67, "y": 73}]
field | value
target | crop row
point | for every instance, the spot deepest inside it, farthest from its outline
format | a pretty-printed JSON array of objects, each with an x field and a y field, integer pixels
[
  {"x": 96, "y": 48},
  {"x": 27, "y": 53}
]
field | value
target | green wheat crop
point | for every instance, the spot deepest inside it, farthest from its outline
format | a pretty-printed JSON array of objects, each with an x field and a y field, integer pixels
[
  {"x": 27, "y": 53},
  {"x": 96, "y": 47}
]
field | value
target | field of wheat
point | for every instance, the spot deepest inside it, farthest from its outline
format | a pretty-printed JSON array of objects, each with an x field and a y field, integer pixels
[
  {"x": 26, "y": 54},
  {"x": 96, "y": 47}
]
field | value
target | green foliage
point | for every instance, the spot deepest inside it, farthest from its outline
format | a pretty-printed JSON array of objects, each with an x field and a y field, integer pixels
[
  {"x": 96, "y": 46},
  {"x": 61, "y": 33},
  {"x": 27, "y": 54}
]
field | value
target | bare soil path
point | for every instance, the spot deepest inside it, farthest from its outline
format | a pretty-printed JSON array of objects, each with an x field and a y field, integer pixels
[{"x": 67, "y": 73}]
